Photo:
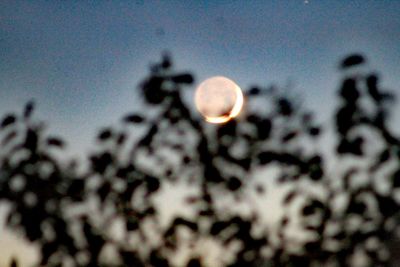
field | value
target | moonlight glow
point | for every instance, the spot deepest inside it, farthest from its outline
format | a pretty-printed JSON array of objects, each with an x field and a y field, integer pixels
[{"x": 219, "y": 99}]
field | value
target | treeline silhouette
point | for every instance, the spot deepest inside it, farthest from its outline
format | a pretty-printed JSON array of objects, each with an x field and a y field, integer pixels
[{"x": 348, "y": 217}]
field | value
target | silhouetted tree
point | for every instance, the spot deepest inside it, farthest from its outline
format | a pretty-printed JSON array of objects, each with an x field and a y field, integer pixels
[{"x": 344, "y": 216}]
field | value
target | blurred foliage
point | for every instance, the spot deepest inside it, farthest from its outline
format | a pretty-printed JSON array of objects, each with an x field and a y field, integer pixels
[{"x": 345, "y": 215}]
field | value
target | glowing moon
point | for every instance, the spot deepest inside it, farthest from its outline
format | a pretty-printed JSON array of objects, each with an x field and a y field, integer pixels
[{"x": 219, "y": 99}]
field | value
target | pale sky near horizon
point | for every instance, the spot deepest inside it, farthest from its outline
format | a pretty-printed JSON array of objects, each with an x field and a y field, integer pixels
[{"x": 82, "y": 61}]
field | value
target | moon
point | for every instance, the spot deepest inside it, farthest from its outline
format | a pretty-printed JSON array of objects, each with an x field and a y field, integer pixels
[{"x": 219, "y": 99}]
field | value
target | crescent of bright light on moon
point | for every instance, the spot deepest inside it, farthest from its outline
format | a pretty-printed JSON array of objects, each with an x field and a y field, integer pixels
[{"x": 237, "y": 107}]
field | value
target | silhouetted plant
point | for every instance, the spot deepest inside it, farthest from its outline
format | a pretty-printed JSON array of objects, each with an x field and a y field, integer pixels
[{"x": 344, "y": 215}]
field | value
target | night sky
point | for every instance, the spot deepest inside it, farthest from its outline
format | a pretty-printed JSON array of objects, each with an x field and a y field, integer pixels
[{"x": 82, "y": 61}]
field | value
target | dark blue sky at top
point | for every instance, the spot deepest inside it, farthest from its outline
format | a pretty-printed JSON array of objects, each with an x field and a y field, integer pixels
[{"x": 82, "y": 60}]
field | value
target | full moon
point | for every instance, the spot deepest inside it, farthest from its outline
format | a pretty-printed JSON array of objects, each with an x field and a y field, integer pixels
[{"x": 218, "y": 99}]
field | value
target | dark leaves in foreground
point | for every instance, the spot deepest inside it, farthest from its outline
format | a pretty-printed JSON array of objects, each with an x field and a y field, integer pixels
[
  {"x": 133, "y": 118},
  {"x": 101, "y": 162},
  {"x": 254, "y": 91},
  {"x": 153, "y": 91},
  {"x": 285, "y": 107},
  {"x": 313, "y": 207},
  {"x": 105, "y": 134},
  {"x": 353, "y": 60},
  {"x": 234, "y": 183},
  {"x": 29, "y": 107},
  {"x": 182, "y": 78},
  {"x": 349, "y": 91},
  {"x": 31, "y": 140},
  {"x": 194, "y": 263},
  {"x": 55, "y": 142},
  {"x": 8, "y": 120},
  {"x": 122, "y": 185},
  {"x": 8, "y": 138},
  {"x": 374, "y": 91},
  {"x": 13, "y": 263},
  {"x": 264, "y": 127}
]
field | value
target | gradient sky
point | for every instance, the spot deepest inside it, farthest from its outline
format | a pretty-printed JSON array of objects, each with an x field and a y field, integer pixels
[{"x": 82, "y": 60}]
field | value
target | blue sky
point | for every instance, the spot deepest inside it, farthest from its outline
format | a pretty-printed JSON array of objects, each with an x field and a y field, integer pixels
[{"x": 82, "y": 60}]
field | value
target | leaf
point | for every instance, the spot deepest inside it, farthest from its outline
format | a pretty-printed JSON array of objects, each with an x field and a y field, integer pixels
[
  {"x": 152, "y": 183},
  {"x": 340, "y": 236},
  {"x": 356, "y": 208},
  {"x": 31, "y": 140},
  {"x": 312, "y": 246},
  {"x": 14, "y": 262},
  {"x": 285, "y": 107},
  {"x": 180, "y": 221},
  {"x": 316, "y": 173},
  {"x": 194, "y": 263},
  {"x": 315, "y": 160},
  {"x": 349, "y": 91},
  {"x": 353, "y": 147},
  {"x": 186, "y": 159},
  {"x": 148, "y": 138},
  {"x": 29, "y": 107},
  {"x": 166, "y": 62},
  {"x": 264, "y": 128},
  {"x": 133, "y": 118},
  {"x": 289, "y": 136},
  {"x": 344, "y": 118},
  {"x": 101, "y": 162},
  {"x": 289, "y": 197},
  {"x": 218, "y": 227},
  {"x": 132, "y": 224},
  {"x": 130, "y": 258},
  {"x": 48, "y": 249},
  {"x": 75, "y": 189},
  {"x": 266, "y": 157},
  {"x": 314, "y": 131},
  {"x": 353, "y": 60},
  {"x": 121, "y": 138},
  {"x": 158, "y": 260},
  {"x": 374, "y": 92},
  {"x": 95, "y": 240},
  {"x": 152, "y": 90},
  {"x": 104, "y": 191},
  {"x": 312, "y": 207},
  {"x": 55, "y": 141},
  {"x": 396, "y": 179},
  {"x": 253, "y": 118},
  {"x": 384, "y": 156},
  {"x": 8, "y": 138},
  {"x": 260, "y": 189},
  {"x": 183, "y": 78},
  {"x": 31, "y": 219},
  {"x": 211, "y": 173},
  {"x": 191, "y": 200},
  {"x": 254, "y": 91},
  {"x": 387, "y": 206},
  {"x": 234, "y": 183},
  {"x": 285, "y": 221},
  {"x": 227, "y": 129},
  {"x": 307, "y": 118},
  {"x": 104, "y": 134},
  {"x": 8, "y": 120}
]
